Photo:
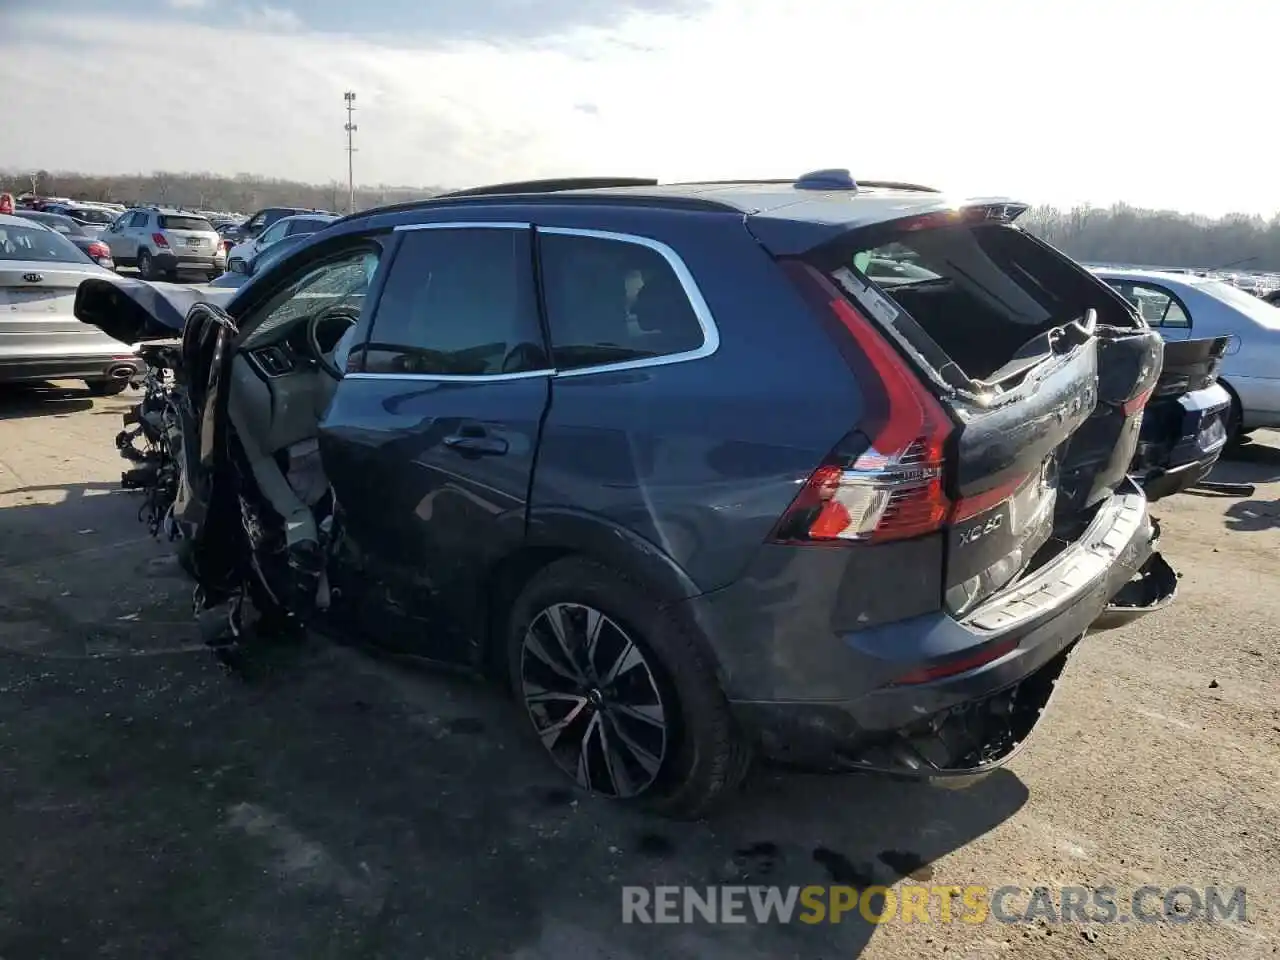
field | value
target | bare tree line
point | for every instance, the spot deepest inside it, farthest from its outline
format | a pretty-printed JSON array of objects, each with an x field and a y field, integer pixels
[
  {"x": 242, "y": 193},
  {"x": 1125, "y": 234},
  {"x": 1121, "y": 233}
]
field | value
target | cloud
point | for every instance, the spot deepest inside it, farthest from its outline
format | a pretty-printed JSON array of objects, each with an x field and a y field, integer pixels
[
  {"x": 187, "y": 4},
  {"x": 268, "y": 19},
  {"x": 991, "y": 97}
]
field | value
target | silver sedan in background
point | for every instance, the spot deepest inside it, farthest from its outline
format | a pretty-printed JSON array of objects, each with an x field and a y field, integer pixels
[
  {"x": 40, "y": 337},
  {"x": 1186, "y": 307}
]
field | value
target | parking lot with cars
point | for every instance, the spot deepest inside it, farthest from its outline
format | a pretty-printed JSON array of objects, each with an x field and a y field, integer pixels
[{"x": 322, "y": 801}]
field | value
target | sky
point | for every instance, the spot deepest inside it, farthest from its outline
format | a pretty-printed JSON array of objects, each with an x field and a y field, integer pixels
[{"x": 1157, "y": 104}]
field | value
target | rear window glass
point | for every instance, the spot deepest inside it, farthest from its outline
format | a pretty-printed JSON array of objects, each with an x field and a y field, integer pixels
[
  {"x": 54, "y": 221},
  {"x": 305, "y": 225},
  {"x": 91, "y": 215},
  {"x": 185, "y": 223},
  {"x": 36, "y": 243},
  {"x": 611, "y": 301},
  {"x": 981, "y": 293},
  {"x": 1255, "y": 308}
]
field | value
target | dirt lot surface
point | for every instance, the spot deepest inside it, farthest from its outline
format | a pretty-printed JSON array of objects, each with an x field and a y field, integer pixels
[{"x": 336, "y": 805}]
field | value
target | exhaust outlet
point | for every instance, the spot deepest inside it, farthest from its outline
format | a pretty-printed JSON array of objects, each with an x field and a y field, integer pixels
[{"x": 121, "y": 371}]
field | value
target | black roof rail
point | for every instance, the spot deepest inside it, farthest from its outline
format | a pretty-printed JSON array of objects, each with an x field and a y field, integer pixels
[
  {"x": 897, "y": 185},
  {"x": 548, "y": 196},
  {"x": 730, "y": 183},
  {"x": 549, "y": 186}
]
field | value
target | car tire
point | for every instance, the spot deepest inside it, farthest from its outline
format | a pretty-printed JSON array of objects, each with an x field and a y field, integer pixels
[
  {"x": 648, "y": 713},
  {"x": 106, "y": 388},
  {"x": 146, "y": 266},
  {"x": 1235, "y": 419}
]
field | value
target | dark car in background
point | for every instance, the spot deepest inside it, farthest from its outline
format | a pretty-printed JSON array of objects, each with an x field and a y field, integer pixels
[
  {"x": 670, "y": 462},
  {"x": 85, "y": 240},
  {"x": 94, "y": 218}
]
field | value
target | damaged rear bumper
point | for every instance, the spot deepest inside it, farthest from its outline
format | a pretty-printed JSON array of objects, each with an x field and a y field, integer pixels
[{"x": 969, "y": 692}]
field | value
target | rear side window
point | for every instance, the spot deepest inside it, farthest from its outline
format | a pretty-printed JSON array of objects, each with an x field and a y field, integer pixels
[
  {"x": 458, "y": 302},
  {"x": 612, "y": 301},
  {"x": 186, "y": 223},
  {"x": 91, "y": 215},
  {"x": 304, "y": 225},
  {"x": 1154, "y": 304}
]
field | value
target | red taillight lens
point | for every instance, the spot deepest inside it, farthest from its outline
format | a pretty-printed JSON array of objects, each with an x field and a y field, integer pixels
[
  {"x": 99, "y": 251},
  {"x": 159, "y": 240},
  {"x": 1130, "y": 407},
  {"x": 971, "y": 661},
  {"x": 893, "y": 489},
  {"x": 969, "y": 507}
]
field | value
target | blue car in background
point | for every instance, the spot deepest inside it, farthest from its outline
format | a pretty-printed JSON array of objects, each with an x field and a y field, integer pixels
[{"x": 1185, "y": 425}]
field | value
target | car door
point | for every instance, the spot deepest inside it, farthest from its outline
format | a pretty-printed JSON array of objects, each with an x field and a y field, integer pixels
[
  {"x": 133, "y": 234},
  {"x": 430, "y": 440},
  {"x": 114, "y": 237}
]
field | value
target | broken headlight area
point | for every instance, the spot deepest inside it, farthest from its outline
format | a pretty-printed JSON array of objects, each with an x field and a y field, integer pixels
[{"x": 968, "y": 739}]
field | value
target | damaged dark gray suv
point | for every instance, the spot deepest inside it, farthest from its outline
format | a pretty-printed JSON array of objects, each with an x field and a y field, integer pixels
[{"x": 831, "y": 471}]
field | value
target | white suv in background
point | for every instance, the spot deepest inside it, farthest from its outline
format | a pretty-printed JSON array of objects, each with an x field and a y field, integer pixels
[{"x": 163, "y": 242}]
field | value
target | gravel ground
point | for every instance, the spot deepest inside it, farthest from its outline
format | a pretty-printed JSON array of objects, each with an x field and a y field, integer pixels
[{"x": 332, "y": 804}]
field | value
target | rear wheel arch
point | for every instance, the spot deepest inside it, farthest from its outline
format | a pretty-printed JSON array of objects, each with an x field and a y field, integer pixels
[
  {"x": 597, "y": 540},
  {"x": 1235, "y": 417}
]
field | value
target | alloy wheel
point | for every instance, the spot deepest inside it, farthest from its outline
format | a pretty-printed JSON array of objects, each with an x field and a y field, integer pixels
[{"x": 594, "y": 700}]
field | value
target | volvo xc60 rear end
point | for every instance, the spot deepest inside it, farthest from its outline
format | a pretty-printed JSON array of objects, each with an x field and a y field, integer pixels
[{"x": 916, "y": 603}]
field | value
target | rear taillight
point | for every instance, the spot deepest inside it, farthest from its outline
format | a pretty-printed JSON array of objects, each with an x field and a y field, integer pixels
[
  {"x": 1138, "y": 403},
  {"x": 893, "y": 488},
  {"x": 99, "y": 251},
  {"x": 159, "y": 240}
]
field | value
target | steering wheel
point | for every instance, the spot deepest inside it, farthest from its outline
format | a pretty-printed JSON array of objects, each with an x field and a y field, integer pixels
[{"x": 339, "y": 311}]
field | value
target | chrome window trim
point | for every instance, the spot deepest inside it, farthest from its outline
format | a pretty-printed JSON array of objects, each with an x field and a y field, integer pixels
[
  {"x": 464, "y": 225},
  {"x": 449, "y": 377},
  {"x": 710, "y": 332},
  {"x": 701, "y": 312}
]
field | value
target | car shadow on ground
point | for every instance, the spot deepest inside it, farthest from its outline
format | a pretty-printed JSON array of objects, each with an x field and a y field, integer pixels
[
  {"x": 331, "y": 803},
  {"x": 19, "y": 401},
  {"x": 1253, "y": 516},
  {"x": 1256, "y": 462}
]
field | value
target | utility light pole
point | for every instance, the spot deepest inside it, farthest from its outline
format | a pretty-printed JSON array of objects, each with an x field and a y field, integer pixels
[{"x": 350, "y": 97}]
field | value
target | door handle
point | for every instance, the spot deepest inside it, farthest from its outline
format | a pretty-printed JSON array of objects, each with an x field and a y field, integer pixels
[{"x": 477, "y": 444}]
